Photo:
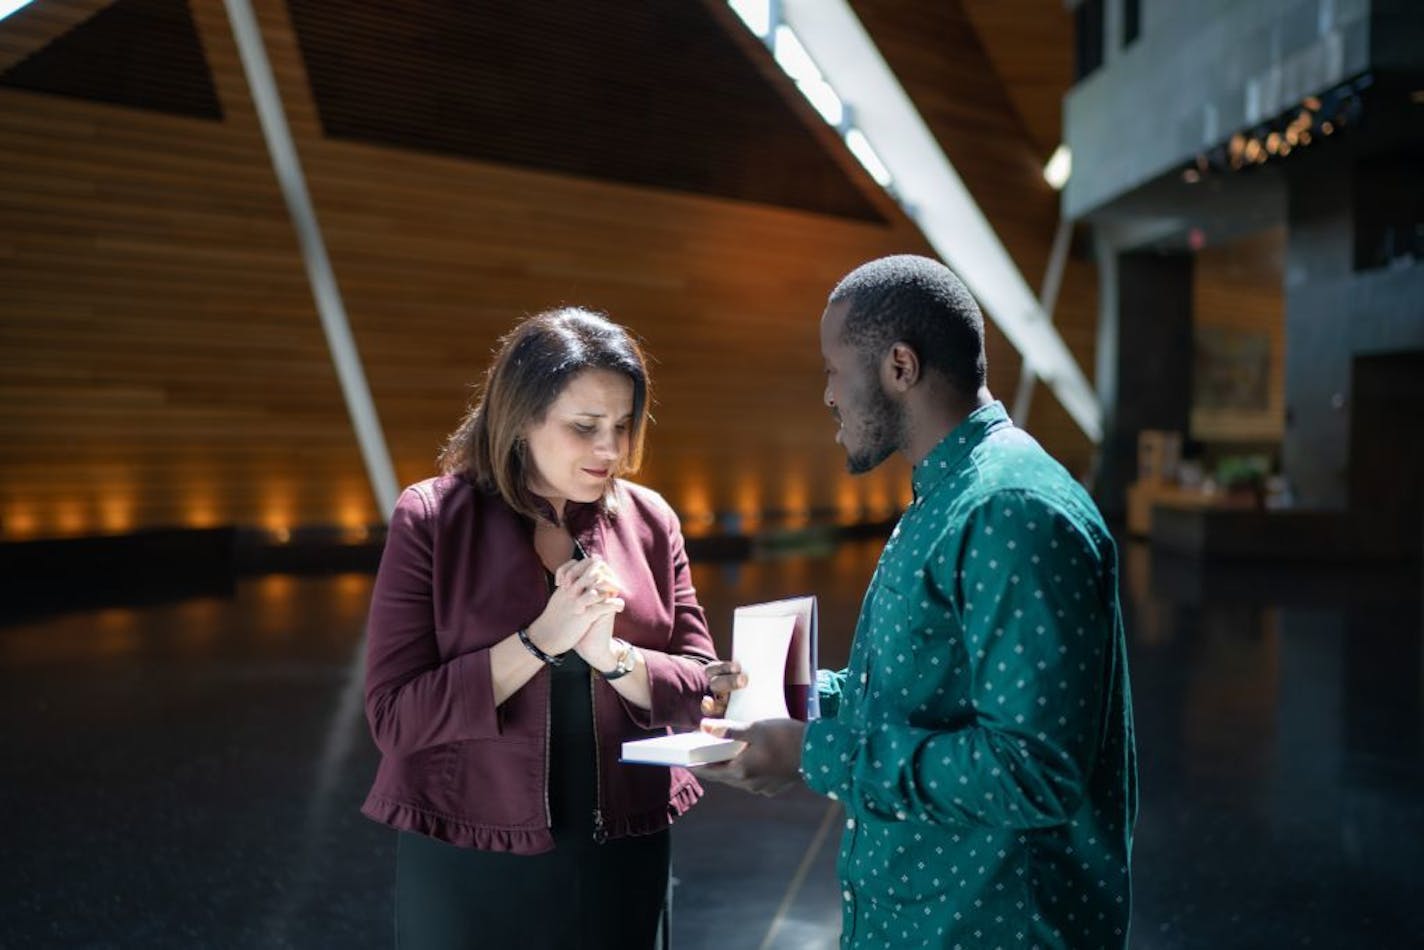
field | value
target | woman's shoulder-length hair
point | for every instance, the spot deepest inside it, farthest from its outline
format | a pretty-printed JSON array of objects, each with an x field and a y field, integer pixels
[{"x": 532, "y": 365}]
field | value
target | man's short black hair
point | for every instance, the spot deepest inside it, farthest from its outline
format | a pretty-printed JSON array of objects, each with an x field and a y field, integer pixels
[{"x": 918, "y": 301}]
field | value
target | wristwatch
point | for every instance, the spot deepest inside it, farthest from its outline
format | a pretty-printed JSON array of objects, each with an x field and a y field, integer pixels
[{"x": 627, "y": 661}]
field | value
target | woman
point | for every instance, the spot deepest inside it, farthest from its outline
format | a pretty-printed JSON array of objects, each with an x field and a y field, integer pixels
[{"x": 532, "y": 612}]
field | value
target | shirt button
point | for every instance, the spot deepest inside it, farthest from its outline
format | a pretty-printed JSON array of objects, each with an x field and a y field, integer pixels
[
  {"x": 850, "y": 824},
  {"x": 846, "y": 895}
]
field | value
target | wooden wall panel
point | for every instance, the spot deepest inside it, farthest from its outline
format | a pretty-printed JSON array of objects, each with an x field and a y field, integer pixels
[
  {"x": 161, "y": 362},
  {"x": 1030, "y": 44},
  {"x": 597, "y": 91}
]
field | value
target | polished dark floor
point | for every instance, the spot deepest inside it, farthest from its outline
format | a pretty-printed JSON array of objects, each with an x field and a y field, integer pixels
[{"x": 187, "y": 775}]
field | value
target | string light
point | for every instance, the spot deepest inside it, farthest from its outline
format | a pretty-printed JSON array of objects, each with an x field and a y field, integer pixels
[{"x": 1297, "y": 128}]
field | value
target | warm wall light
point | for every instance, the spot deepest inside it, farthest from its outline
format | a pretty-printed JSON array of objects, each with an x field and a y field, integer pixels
[
  {"x": 20, "y": 522},
  {"x": 696, "y": 507},
  {"x": 795, "y": 501},
  {"x": 69, "y": 517},
  {"x": 200, "y": 512},
  {"x": 877, "y": 499},
  {"x": 278, "y": 525},
  {"x": 1059, "y": 168},
  {"x": 749, "y": 501},
  {"x": 116, "y": 513},
  {"x": 278, "y": 510},
  {"x": 847, "y": 502},
  {"x": 352, "y": 518}
]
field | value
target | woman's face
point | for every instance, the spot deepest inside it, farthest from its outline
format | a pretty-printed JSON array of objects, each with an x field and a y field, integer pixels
[{"x": 583, "y": 439}]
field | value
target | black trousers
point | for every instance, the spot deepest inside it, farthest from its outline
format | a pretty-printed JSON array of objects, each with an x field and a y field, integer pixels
[{"x": 580, "y": 896}]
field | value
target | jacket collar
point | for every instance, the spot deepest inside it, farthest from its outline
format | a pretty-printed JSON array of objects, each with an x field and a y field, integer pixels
[{"x": 578, "y": 515}]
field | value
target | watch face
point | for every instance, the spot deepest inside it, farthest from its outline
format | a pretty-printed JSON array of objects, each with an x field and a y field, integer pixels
[{"x": 627, "y": 660}]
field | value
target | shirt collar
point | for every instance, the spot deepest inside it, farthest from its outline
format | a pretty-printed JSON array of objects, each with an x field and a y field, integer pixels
[{"x": 953, "y": 449}]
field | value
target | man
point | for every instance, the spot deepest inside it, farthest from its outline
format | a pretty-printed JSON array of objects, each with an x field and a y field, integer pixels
[{"x": 981, "y": 737}]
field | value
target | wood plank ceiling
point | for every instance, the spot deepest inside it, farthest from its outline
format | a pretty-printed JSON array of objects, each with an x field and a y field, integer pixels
[
  {"x": 162, "y": 360},
  {"x": 1030, "y": 44}
]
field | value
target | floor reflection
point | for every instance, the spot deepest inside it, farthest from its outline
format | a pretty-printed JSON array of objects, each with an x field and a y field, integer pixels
[
  {"x": 1279, "y": 724},
  {"x": 188, "y": 774}
]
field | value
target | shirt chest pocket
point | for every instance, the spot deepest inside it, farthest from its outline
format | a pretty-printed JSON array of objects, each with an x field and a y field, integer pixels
[{"x": 923, "y": 659}]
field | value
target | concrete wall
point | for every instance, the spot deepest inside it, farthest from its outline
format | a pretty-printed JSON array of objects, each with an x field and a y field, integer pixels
[
  {"x": 1200, "y": 71},
  {"x": 1334, "y": 314},
  {"x": 1144, "y": 366}
]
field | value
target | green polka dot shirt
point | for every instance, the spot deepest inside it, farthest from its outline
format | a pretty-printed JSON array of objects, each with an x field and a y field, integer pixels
[{"x": 981, "y": 736}]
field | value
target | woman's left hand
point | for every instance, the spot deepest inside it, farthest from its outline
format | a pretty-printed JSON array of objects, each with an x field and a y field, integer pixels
[{"x": 596, "y": 647}]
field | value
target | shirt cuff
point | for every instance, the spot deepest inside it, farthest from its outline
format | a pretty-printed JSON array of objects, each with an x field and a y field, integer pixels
[{"x": 828, "y": 754}]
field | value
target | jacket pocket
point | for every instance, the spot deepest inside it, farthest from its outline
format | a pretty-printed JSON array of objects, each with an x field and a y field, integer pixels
[
  {"x": 498, "y": 782},
  {"x": 423, "y": 777}
]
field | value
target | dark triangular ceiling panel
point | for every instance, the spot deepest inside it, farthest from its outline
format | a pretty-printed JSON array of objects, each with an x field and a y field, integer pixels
[
  {"x": 646, "y": 93},
  {"x": 145, "y": 54}
]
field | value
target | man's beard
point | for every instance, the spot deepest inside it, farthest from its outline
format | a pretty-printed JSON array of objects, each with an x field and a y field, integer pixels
[{"x": 881, "y": 432}]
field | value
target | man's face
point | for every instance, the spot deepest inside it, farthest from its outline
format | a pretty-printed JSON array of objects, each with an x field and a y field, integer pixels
[{"x": 872, "y": 425}]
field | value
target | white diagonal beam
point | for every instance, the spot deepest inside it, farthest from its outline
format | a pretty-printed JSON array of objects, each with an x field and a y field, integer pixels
[
  {"x": 927, "y": 184},
  {"x": 357, "y": 392}
]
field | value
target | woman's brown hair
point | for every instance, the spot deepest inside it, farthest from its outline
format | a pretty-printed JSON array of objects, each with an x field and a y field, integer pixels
[{"x": 533, "y": 364}]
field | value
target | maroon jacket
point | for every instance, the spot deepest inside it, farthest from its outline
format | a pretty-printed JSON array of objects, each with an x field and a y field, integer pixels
[{"x": 459, "y": 574}]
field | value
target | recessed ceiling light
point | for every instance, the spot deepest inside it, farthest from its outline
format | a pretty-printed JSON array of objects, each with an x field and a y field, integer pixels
[{"x": 1059, "y": 168}]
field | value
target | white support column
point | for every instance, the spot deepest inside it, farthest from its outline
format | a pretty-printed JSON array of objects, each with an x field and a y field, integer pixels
[
  {"x": 283, "y": 151},
  {"x": 1048, "y": 300}
]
